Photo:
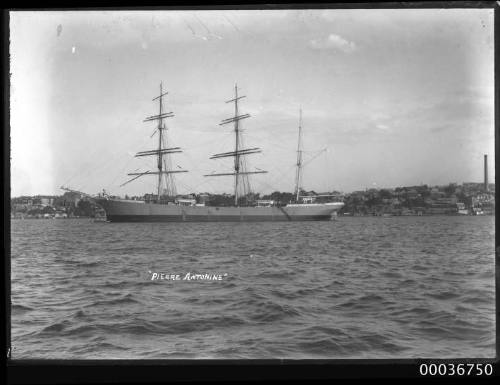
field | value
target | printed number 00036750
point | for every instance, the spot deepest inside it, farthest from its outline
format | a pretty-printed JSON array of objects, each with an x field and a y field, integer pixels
[{"x": 456, "y": 369}]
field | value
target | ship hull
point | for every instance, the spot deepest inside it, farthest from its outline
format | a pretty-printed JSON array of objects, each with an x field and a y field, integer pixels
[{"x": 118, "y": 210}]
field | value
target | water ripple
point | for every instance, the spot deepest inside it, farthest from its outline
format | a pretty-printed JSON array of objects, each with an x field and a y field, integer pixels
[{"x": 399, "y": 287}]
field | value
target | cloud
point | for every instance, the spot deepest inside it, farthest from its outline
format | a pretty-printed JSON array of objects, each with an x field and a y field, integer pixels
[
  {"x": 334, "y": 42},
  {"x": 383, "y": 127}
]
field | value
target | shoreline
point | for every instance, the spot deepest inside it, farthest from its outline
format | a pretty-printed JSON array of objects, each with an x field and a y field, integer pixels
[{"x": 103, "y": 219}]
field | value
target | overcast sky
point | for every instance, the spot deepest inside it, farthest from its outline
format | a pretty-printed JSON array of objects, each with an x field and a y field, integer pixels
[{"x": 397, "y": 97}]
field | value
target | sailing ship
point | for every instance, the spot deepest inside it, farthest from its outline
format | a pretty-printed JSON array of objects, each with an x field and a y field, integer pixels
[{"x": 162, "y": 208}]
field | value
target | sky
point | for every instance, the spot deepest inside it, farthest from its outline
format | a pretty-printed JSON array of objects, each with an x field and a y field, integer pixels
[{"x": 389, "y": 97}]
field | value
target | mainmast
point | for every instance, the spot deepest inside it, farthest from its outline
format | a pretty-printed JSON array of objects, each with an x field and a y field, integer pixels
[
  {"x": 160, "y": 129},
  {"x": 298, "y": 174},
  {"x": 237, "y": 145},
  {"x": 239, "y": 169},
  {"x": 162, "y": 152}
]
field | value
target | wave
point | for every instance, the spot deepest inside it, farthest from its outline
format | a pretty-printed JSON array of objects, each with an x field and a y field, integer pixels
[
  {"x": 92, "y": 347},
  {"x": 382, "y": 343},
  {"x": 320, "y": 331},
  {"x": 81, "y": 315},
  {"x": 270, "y": 311},
  {"x": 392, "y": 274},
  {"x": 89, "y": 264},
  {"x": 444, "y": 295},
  {"x": 208, "y": 300},
  {"x": 116, "y": 284},
  {"x": 139, "y": 327},
  {"x": 180, "y": 326},
  {"x": 54, "y": 328},
  {"x": 124, "y": 300},
  {"x": 321, "y": 346},
  {"x": 15, "y": 308}
]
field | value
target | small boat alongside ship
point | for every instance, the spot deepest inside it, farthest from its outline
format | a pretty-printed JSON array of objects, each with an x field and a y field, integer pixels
[{"x": 164, "y": 207}]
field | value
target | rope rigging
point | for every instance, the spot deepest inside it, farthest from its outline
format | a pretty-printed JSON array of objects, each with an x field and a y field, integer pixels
[{"x": 239, "y": 169}]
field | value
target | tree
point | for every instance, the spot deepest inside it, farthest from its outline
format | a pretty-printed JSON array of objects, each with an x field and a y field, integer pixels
[
  {"x": 34, "y": 212},
  {"x": 425, "y": 193},
  {"x": 48, "y": 210},
  {"x": 450, "y": 189},
  {"x": 385, "y": 194}
]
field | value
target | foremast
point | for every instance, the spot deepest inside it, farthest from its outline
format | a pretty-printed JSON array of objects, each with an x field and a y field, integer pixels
[
  {"x": 298, "y": 173},
  {"x": 162, "y": 153},
  {"x": 240, "y": 172}
]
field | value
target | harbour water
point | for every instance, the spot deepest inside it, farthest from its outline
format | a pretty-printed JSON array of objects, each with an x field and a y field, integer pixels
[{"x": 356, "y": 287}]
